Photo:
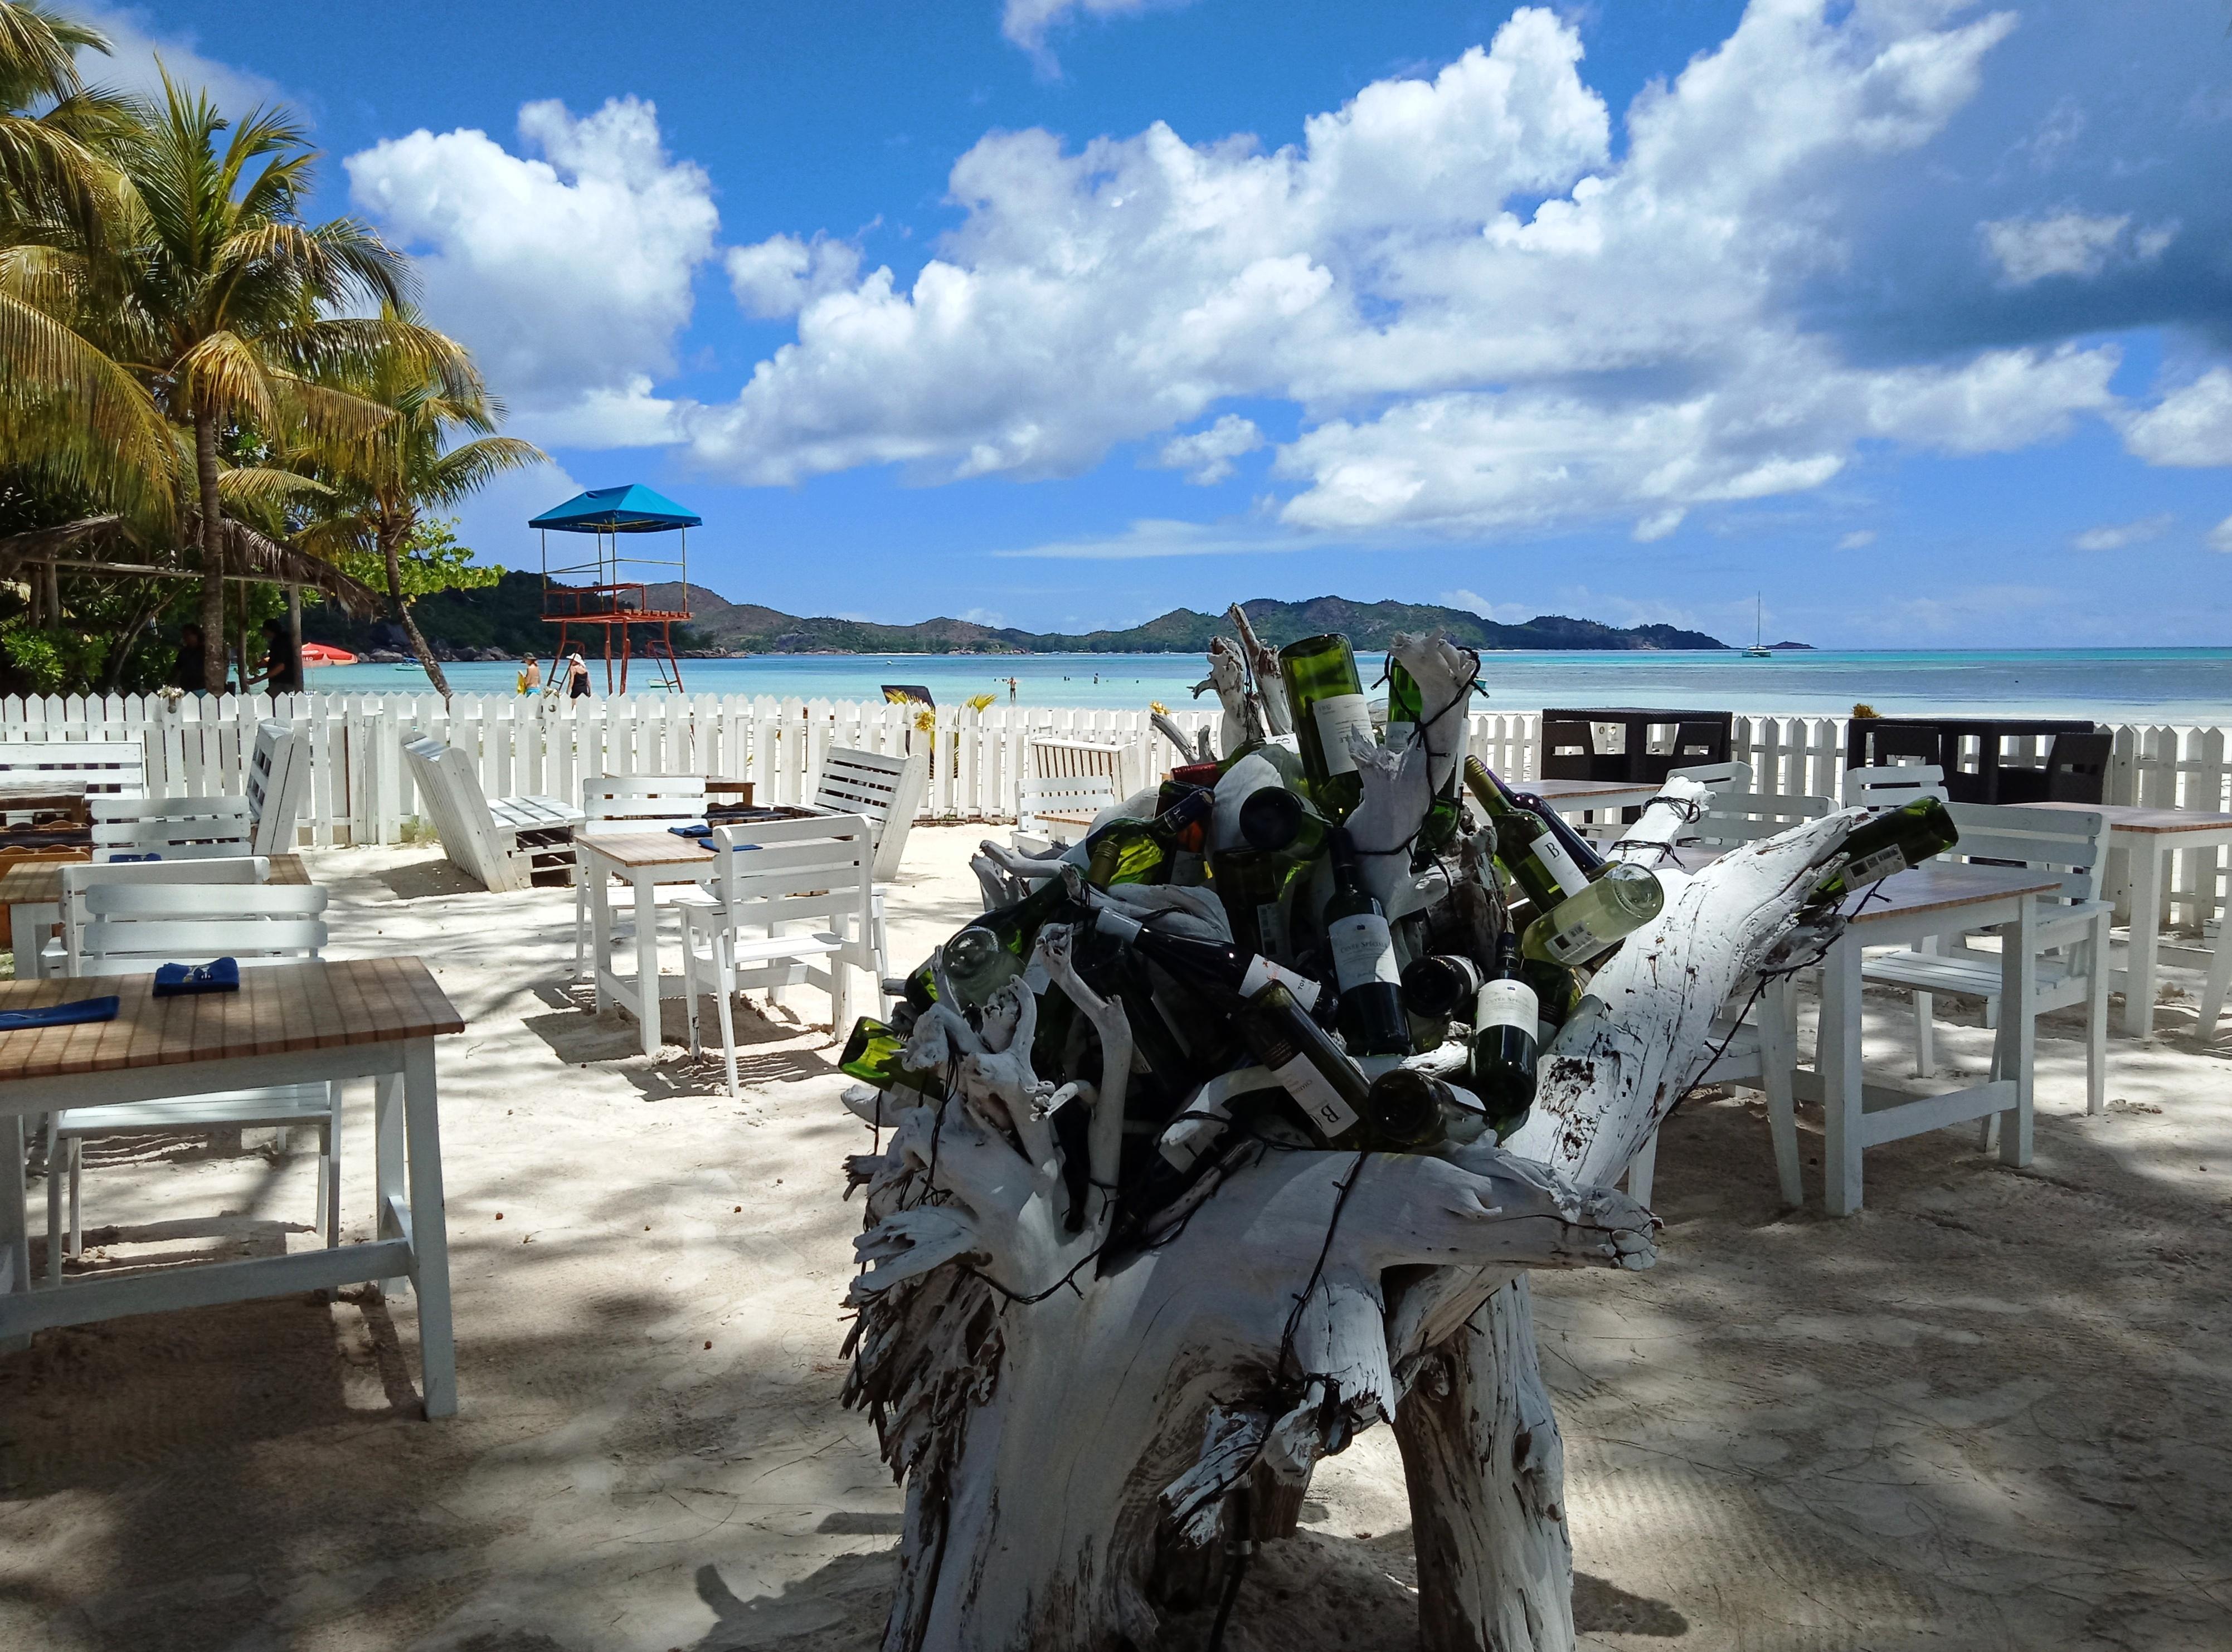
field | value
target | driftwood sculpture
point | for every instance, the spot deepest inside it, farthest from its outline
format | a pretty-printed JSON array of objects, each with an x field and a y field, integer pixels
[{"x": 1088, "y": 1442}]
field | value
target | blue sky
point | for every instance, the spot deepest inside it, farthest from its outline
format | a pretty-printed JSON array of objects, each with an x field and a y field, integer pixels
[{"x": 1915, "y": 317}]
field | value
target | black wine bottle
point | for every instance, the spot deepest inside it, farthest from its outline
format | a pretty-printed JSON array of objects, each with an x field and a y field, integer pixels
[
  {"x": 1505, "y": 1020},
  {"x": 1282, "y": 822},
  {"x": 1372, "y": 1020},
  {"x": 1228, "y": 971},
  {"x": 1440, "y": 984},
  {"x": 1328, "y": 1089}
]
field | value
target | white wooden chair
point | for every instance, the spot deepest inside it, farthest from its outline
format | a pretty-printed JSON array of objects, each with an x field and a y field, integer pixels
[
  {"x": 135, "y": 926},
  {"x": 1730, "y": 777},
  {"x": 172, "y": 828},
  {"x": 808, "y": 886},
  {"x": 1740, "y": 816},
  {"x": 1890, "y": 784},
  {"x": 278, "y": 787},
  {"x": 499, "y": 843},
  {"x": 620, "y": 806},
  {"x": 1756, "y": 1054},
  {"x": 884, "y": 788},
  {"x": 2070, "y": 934},
  {"x": 1060, "y": 808},
  {"x": 65, "y": 953},
  {"x": 101, "y": 767}
]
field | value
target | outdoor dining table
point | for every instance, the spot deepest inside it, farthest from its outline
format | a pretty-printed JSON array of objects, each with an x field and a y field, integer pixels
[
  {"x": 1935, "y": 898},
  {"x": 31, "y": 894},
  {"x": 642, "y": 860},
  {"x": 2151, "y": 836},
  {"x": 297, "y": 1022}
]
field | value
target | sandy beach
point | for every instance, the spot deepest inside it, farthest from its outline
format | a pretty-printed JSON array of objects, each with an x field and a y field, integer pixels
[{"x": 1994, "y": 1410}]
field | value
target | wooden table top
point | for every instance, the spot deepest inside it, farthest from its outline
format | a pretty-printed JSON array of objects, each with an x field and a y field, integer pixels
[
  {"x": 41, "y": 881},
  {"x": 315, "y": 1004},
  {"x": 633, "y": 851},
  {"x": 2123, "y": 817},
  {"x": 1945, "y": 884},
  {"x": 1552, "y": 791}
]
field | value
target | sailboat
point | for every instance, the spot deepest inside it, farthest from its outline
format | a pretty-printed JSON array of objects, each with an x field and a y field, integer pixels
[{"x": 1759, "y": 649}]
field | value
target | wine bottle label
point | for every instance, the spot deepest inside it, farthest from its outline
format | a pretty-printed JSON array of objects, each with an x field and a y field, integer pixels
[
  {"x": 1261, "y": 972},
  {"x": 1573, "y": 944},
  {"x": 1114, "y": 923},
  {"x": 1558, "y": 862},
  {"x": 1337, "y": 715},
  {"x": 1271, "y": 929},
  {"x": 1316, "y": 1094},
  {"x": 1506, "y": 1003},
  {"x": 1873, "y": 869},
  {"x": 1363, "y": 951}
]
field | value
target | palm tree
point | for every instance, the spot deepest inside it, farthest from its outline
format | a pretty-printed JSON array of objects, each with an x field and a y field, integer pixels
[
  {"x": 236, "y": 309},
  {"x": 384, "y": 483}
]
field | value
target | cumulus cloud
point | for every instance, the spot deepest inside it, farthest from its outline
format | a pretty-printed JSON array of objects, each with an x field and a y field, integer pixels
[
  {"x": 1154, "y": 537},
  {"x": 569, "y": 275},
  {"x": 1858, "y": 540},
  {"x": 1207, "y": 456},
  {"x": 2192, "y": 427},
  {"x": 1027, "y": 22},
  {"x": 2070, "y": 243},
  {"x": 2219, "y": 537},
  {"x": 781, "y": 276},
  {"x": 1509, "y": 613},
  {"x": 138, "y": 41},
  {"x": 1487, "y": 320},
  {"x": 2115, "y": 536}
]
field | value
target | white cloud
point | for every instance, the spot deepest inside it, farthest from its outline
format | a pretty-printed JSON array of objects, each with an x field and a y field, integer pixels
[
  {"x": 139, "y": 41},
  {"x": 1152, "y": 537},
  {"x": 1027, "y": 22},
  {"x": 2192, "y": 427},
  {"x": 782, "y": 275},
  {"x": 2114, "y": 536},
  {"x": 1858, "y": 540},
  {"x": 569, "y": 275},
  {"x": 991, "y": 617},
  {"x": 2219, "y": 537},
  {"x": 1207, "y": 456},
  {"x": 1487, "y": 321},
  {"x": 1508, "y": 613},
  {"x": 2070, "y": 243}
]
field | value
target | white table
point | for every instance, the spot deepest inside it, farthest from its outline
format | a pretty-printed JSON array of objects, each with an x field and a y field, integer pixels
[
  {"x": 642, "y": 860},
  {"x": 289, "y": 1023},
  {"x": 1937, "y": 898},
  {"x": 2152, "y": 837}
]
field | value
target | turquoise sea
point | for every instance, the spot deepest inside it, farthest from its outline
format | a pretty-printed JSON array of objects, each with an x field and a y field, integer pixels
[{"x": 2110, "y": 686}]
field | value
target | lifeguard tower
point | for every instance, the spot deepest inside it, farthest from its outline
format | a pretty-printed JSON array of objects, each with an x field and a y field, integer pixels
[{"x": 616, "y": 595}]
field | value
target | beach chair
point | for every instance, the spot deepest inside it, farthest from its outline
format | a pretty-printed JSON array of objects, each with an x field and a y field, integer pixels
[
  {"x": 1890, "y": 786},
  {"x": 92, "y": 768},
  {"x": 64, "y": 955},
  {"x": 134, "y": 927},
  {"x": 500, "y": 843},
  {"x": 170, "y": 828},
  {"x": 620, "y": 806},
  {"x": 884, "y": 788},
  {"x": 278, "y": 788}
]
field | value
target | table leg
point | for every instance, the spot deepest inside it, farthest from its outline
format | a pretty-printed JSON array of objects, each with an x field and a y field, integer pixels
[
  {"x": 600, "y": 929},
  {"x": 15, "y": 1232},
  {"x": 2146, "y": 935},
  {"x": 388, "y": 1189},
  {"x": 646, "y": 962},
  {"x": 2018, "y": 1028},
  {"x": 1778, "y": 1053},
  {"x": 1837, "y": 1058},
  {"x": 429, "y": 1240}
]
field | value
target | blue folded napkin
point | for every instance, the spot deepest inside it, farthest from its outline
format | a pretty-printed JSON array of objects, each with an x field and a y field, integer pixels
[
  {"x": 219, "y": 976},
  {"x": 698, "y": 830},
  {"x": 86, "y": 1010},
  {"x": 126, "y": 860}
]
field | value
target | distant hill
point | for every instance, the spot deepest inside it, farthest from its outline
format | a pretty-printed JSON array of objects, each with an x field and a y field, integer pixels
[{"x": 505, "y": 620}]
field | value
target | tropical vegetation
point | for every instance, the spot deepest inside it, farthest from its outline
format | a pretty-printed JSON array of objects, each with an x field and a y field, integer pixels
[{"x": 206, "y": 396}]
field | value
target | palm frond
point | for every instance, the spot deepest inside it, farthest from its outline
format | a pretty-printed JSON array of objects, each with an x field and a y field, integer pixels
[
  {"x": 466, "y": 470},
  {"x": 65, "y": 405}
]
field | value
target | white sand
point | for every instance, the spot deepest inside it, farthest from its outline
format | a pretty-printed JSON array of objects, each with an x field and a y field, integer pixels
[{"x": 1993, "y": 1410}]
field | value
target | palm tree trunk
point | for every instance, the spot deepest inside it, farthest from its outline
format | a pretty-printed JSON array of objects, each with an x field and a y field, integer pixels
[
  {"x": 213, "y": 620},
  {"x": 390, "y": 552}
]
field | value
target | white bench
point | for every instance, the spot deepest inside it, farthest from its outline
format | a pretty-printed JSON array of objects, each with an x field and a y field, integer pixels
[{"x": 500, "y": 843}]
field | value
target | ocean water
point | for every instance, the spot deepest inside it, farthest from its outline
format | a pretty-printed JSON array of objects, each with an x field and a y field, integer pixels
[{"x": 2109, "y": 685}]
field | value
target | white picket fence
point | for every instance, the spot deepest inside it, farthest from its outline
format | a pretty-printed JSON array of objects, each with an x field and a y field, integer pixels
[{"x": 361, "y": 791}]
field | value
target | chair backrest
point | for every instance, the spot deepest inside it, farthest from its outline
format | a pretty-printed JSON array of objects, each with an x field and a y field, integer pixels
[
  {"x": 1705, "y": 744},
  {"x": 1063, "y": 801},
  {"x": 175, "y": 828},
  {"x": 2077, "y": 768},
  {"x": 2071, "y": 842},
  {"x": 612, "y": 805},
  {"x": 278, "y": 785},
  {"x": 774, "y": 872},
  {"x": 1887, "y": 787},
  {"x": 1886, "y": 744},
  {"x": 139, "y": 925},
  {"x": 81, "y": 876},
  {"x": 116, "y": 768},
  {"x": 1725, "y": 776},
  {"x": 1745, "y": 817},
  {"x": 452, "y": 794},
  {"x": 882, "y": 788}
]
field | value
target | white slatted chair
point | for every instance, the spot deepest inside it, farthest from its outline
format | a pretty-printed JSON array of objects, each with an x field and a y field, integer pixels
[
  {"x": 807, "y": 888},
  {"x": 623, "y": 806},
  {"x": 884, "y": 788},
  {"x": 2070, "y": 933},
  {"x": 278, "y": 787},
  {"x": 1887, "y": 786},
  {"x": 135, "y": 927},
  {"x": 65, "y": 953},
  {"x": 170, "y": 828},
  {"x": 499, "y": 843},
  {"x": 1730, "y": 777},
  {"x": 102, "y": 767},
  {"x": 1739, "y": 817},
  {"x": 1755, "y": 1055},
  {"x": 1060, "y": 808}
]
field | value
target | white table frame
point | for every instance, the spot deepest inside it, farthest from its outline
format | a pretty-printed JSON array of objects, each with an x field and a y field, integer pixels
[
  {"x": 1857, "y": 1115},
  {"x": 412, "y": 1247},
  {"x": 613, "y": 987},
  {"x": 2150, "y": 872}
]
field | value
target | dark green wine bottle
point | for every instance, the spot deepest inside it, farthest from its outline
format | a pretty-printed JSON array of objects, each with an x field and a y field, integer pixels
[
  {"x": 873, "y": 1055},
  {"x": 1889, "y": 844},
  {"x": 1328, "y": 1089},
  {"x": 1329, "y": 706},
  {"x": 992, "y": 950},
  {"x": 1506, "y": 1041},
  {"x": 1526, "y": 848},
  {"x": 1249, "y": 882},
  {"x": 1283, "y": 823},
  {"x": 1405, "y": 707},
  {"x": 1371, "y": 1019}
]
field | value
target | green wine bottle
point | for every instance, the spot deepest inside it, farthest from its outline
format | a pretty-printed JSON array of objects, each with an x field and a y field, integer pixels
[
  {"x": 1281, "y": 822},
  {"x": 1405, "y": 707},
  {"x": 1143, "y": 852},
  {"x": 1526, "y": 848},
  {"x": 1407, "y": 1111},
  {"x": 1328, "y": 1089},
  {"x": 993, "y": 949},
  {"x": 1249, "y": 882},
  {"x": 1891, "y": 842},
  {"x": 1329, "y": 707},
  {"x": 1581, "y": 926},
  {"x": 873, "y": 1055}
]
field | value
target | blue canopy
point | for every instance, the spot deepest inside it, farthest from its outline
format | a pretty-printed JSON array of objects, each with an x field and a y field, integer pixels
[{"x": 633, "y": 508}]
